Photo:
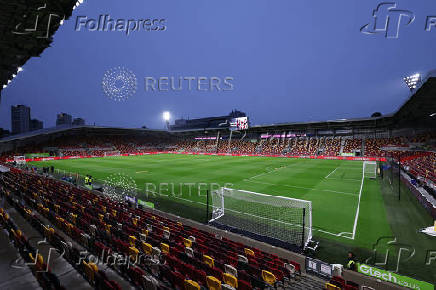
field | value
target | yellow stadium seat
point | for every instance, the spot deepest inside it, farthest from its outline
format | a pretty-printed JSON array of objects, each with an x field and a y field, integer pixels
[
  {"x": 230, "y": 280},
  {"x": 213, "y": 283},
  {"x": 329, "y": 286},
  {"x": 94, "y": 267},
  {"x": 147, "y": 248},
  {"x": 165, "y": 248},
  {"x": 69, "y": 228},
  {"x": 191, "y": 285},
  {"x": 38, "y": 262},
  {"x": 208, "y": 261},
  {"x": 108, "y": 229},
  {"x": 133, "y": 252},
  {"x": 268, "y": 277},
  {"x": 73, "y": 218},
  {"x": 249, "y": 252},
  {"x": 132, "y": 241},
  {"x": 89, "y": 272},
  {"x": 187, "y": 243}
]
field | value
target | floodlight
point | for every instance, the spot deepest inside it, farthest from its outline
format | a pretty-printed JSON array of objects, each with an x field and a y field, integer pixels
[
  {"x": 20, "y": 69},
  {"x": 5, "y": 86},
  {"x": 412, "y": 81},
  {"x": 166, "y": 116},
  {"x": 433, "y": 115}
]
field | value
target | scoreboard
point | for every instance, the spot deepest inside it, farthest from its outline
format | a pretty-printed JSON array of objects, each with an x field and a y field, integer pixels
[{"x": 237, "y": 124}]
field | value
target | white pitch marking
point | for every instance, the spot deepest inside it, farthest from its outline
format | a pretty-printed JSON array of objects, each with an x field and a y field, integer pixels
[
  {"x": 300, "y": 187},
  {"x": 271, "y": 171},
  {"x": 358, "y": 205},
  {"x": 332, "y": 172}
]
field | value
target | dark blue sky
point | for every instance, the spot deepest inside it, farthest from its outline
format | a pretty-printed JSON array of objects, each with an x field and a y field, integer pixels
[{"x": 292, "y": 60}]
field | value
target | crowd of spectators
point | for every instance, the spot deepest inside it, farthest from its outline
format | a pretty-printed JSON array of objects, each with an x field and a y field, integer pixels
[{"x": 299, "y": 146}]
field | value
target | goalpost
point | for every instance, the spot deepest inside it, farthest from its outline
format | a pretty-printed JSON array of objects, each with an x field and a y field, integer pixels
[
  {"x": 370, "y": 169},
  {"x": 275, "y": 219},
  {"x": 112, "y": 153}
]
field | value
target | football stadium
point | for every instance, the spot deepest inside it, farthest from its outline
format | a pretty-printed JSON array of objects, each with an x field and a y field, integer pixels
[{"x": 212, "y": 202}]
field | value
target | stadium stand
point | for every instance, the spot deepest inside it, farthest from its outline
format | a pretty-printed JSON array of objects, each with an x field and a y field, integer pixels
[
  {"x": 161, "y": 253},
  {"x": 352, "y": 145}
]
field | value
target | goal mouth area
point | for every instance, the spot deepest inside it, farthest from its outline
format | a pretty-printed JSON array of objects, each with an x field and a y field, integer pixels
[
  {"x": 258, "y": 237},
  {"x": 280, "y": 221}
]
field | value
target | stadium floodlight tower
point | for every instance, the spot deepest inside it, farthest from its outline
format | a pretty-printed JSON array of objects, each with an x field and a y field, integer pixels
[
  {"x": 166, "y": 116},
  {"x": 412, "y": 81}
]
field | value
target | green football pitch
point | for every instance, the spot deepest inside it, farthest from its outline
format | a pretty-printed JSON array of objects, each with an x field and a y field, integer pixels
[
  {"x": 349, "y": 213},
  {"x": 342, "y": 207}
]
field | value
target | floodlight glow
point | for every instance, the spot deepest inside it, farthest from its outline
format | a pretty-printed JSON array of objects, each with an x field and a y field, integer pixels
[
  {"x": 412, "y": 81},
  {"x": 433, "y": 115},
  {"x": 4, "y": 86},
  {"x": 20, "y": 69},
  {"x": 166, "y": 116}
]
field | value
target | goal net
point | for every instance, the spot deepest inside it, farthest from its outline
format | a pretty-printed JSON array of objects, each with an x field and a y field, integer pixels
[
  {"x": 273, "y": 219},
  {"x": 370, "y": 169},
  {"x": 112, "y": 153},
  {"x": 20, "y": 160}
]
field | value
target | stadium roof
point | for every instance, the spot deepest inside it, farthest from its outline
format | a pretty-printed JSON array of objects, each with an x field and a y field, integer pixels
[{"x": 27, "y": 28}]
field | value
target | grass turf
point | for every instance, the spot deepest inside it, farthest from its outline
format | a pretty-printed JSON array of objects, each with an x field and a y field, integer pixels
[{"x": 333, "y": 187}]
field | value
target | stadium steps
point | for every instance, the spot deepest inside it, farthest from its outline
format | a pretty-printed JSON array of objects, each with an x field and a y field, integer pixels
[
  {"x": 67, "y": 275},
  {"x": 307, "y": 282},
  {"x": 110, "y": 273},
  {"x": 14, "y": 275}
]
